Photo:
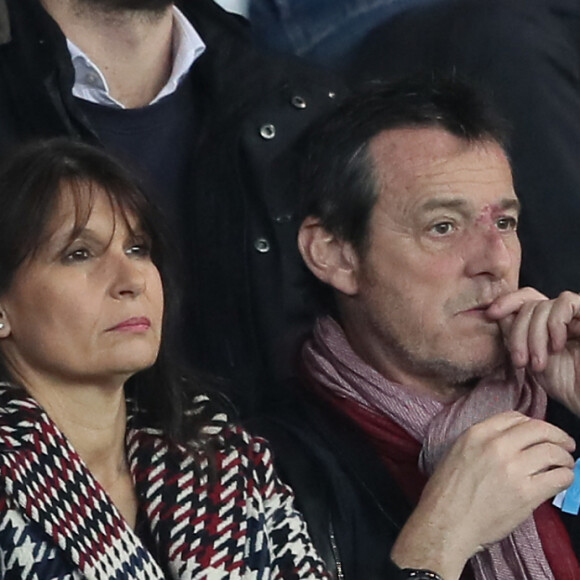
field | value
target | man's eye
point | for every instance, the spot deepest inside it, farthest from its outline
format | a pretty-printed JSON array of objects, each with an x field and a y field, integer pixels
[
  {"x": 78, "y": 255},
  {"x": 507, "y": 223},
  {"x": 442, "y": 228}
]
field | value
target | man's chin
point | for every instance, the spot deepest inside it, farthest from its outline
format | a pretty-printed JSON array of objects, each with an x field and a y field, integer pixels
[
  {"x": 469, "y": 371},
  {"x": 128, "y": 5}
]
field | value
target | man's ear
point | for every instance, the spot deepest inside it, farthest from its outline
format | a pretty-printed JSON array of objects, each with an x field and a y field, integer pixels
[
  {"x": 329, "y": 258},
  {"x": 5, "y": 329}
]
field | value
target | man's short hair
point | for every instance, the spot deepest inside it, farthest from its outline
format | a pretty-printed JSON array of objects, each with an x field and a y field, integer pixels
[{"x": 336, "y": 176}]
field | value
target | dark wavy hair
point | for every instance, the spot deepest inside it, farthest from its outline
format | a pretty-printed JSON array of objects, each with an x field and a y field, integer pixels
[{"x": 31, "y": 179}]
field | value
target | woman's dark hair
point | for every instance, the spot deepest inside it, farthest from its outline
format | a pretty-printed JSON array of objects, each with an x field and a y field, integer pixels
[
  {"x": 336, "y": 173},
  {"x": 31, "y": 180}
]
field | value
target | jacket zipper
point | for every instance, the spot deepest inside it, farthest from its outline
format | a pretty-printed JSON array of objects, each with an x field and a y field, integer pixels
[{"x": 335, "y": 553}]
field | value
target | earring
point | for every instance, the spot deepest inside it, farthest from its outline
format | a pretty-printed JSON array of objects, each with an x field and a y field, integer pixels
[{"x": 1, "y": 325}]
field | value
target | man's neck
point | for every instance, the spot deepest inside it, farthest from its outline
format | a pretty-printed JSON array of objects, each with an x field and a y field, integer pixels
[{"x": 132, "y": 48}]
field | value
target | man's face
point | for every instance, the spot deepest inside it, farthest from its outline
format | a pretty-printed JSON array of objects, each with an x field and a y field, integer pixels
[{"x": 442, "y": 246}]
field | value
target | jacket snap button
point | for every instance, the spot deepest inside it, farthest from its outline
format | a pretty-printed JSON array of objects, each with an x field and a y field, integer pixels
[
  {"x": 262, "y": 245},
  {"x": 268, "y": 131},
  {"x": 298, "y": 102},
  {"x": 283, "y": 219}
]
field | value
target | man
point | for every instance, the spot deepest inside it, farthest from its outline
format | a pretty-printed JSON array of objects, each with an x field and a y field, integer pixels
[
  {"x": 181, "y": 95},
  {"x": 422, "y": 438},
  {"x": 323, "y": 31},
  {"x": 525, "y": 53}
]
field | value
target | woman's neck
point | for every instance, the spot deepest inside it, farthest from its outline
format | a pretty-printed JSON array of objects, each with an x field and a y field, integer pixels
[{"x": 93, "y": 419}]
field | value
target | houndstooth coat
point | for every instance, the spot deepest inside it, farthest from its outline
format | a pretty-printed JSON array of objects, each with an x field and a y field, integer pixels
[{"x": 56, "y": 521}]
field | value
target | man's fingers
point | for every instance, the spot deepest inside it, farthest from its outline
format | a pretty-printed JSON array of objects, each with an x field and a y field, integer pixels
[
  {"x": 545, "y": 456},
  {"x": 538, "y": 335},
  {"x": 509, "y": 433},
  {"x": 497, "y": 473},
  {"x": 563, "y": 321},
  {"x": 551, "y": 482},
  {"x": 525, "y": 434},
  {"x": 517, "y": 339},
  {"x": 512, "y": 302},
  {"x": 535, "y": 327}
]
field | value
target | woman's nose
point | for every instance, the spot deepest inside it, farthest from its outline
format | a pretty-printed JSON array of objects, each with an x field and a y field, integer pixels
[{"x": 129, "y": 279}]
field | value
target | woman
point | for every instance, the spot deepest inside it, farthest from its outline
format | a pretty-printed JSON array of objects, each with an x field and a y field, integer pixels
[{"x": 108, "y": 469}]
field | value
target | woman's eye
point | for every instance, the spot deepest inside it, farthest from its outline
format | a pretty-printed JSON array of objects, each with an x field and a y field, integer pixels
[
  {"x": 141, "y": 249},
  {"x": 442, "y": 228},
  {"x": 507, "y": 223},
  {"x": 78, "y": 255}
]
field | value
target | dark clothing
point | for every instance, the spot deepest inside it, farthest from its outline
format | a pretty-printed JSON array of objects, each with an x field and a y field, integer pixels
[
  {"x": 527, "y": 54},
  {"x": 155, "y": 141},
  {"x": 247, "y": 298},
  {"x": 352, "y": 504}
]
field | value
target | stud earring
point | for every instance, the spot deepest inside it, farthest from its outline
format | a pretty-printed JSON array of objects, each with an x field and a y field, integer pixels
[{"x": 1, "y": 325}]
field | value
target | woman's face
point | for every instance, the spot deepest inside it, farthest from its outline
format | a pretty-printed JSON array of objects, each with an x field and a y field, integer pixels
[{"x": 86, "y": 311}]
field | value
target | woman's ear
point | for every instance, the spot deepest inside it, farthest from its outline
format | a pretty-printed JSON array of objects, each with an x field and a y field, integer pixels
[
  {"x": 4, "y": 324},
  {"x": 329, "y": 258}
]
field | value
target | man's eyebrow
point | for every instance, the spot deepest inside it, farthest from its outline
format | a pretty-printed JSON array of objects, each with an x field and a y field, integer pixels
[
  {"x": 511, "y": 203},
  {"x": 462, "y": 204}
]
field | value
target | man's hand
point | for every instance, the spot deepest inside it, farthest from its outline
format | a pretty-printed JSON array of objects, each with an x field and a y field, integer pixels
[
  {"x": 491, "y": 480},
  {"x": 544, "y": 336}
]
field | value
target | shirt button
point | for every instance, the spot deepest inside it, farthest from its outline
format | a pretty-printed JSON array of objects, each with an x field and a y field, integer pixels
[
  {"x": 268, "y": 131},
  {"x": 262, "y": 245},
  {"x": 298, "y": 102},
  {"x": 92, "y": 79}
]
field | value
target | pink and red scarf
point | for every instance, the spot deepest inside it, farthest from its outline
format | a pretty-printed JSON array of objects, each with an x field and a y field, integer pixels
[{"x": 413, "y": 432}]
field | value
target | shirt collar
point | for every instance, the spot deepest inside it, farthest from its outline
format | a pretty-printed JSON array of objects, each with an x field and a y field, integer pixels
[{"x": 90, "y": 83}]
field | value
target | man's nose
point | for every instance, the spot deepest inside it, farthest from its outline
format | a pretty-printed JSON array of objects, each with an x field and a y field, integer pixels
[{"x": 490, "y": 252}]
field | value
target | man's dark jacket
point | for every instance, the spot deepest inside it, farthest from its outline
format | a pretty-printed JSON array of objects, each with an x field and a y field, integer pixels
[
  {"x": 247, "y": 297},
  {"x": 353, "y": 506}
]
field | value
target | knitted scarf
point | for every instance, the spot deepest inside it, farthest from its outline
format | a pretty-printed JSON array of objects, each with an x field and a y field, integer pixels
[{"x": 330, "y": 363}]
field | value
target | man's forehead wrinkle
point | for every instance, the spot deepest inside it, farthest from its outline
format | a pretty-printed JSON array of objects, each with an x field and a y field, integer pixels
[
  {"x": 451, "y": 203},
  {"x": 461, "y": 203},
  {"x": 414, "y": 151}
]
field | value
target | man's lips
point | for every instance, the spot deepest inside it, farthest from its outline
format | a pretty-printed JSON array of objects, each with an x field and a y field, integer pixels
[
  {"x": 135, "y": 324},
  {"x": 479, "y": 311}
]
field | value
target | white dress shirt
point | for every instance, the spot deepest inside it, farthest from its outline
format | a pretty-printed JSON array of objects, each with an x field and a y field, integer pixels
[{"x": 90, "y": 83}]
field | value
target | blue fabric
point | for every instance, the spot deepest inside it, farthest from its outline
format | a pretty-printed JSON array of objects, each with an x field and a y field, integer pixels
[
  {"x": 324, "y": 31},
  {"x": 571, "y": 503}
]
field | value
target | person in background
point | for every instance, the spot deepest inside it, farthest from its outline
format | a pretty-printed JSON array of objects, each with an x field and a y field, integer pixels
[
  {"x": 113, "y": 463},
  {"x": 325, "y": 32},
  {"x": 179, "y": 94},
  {"x": 438, "y": 407}
]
